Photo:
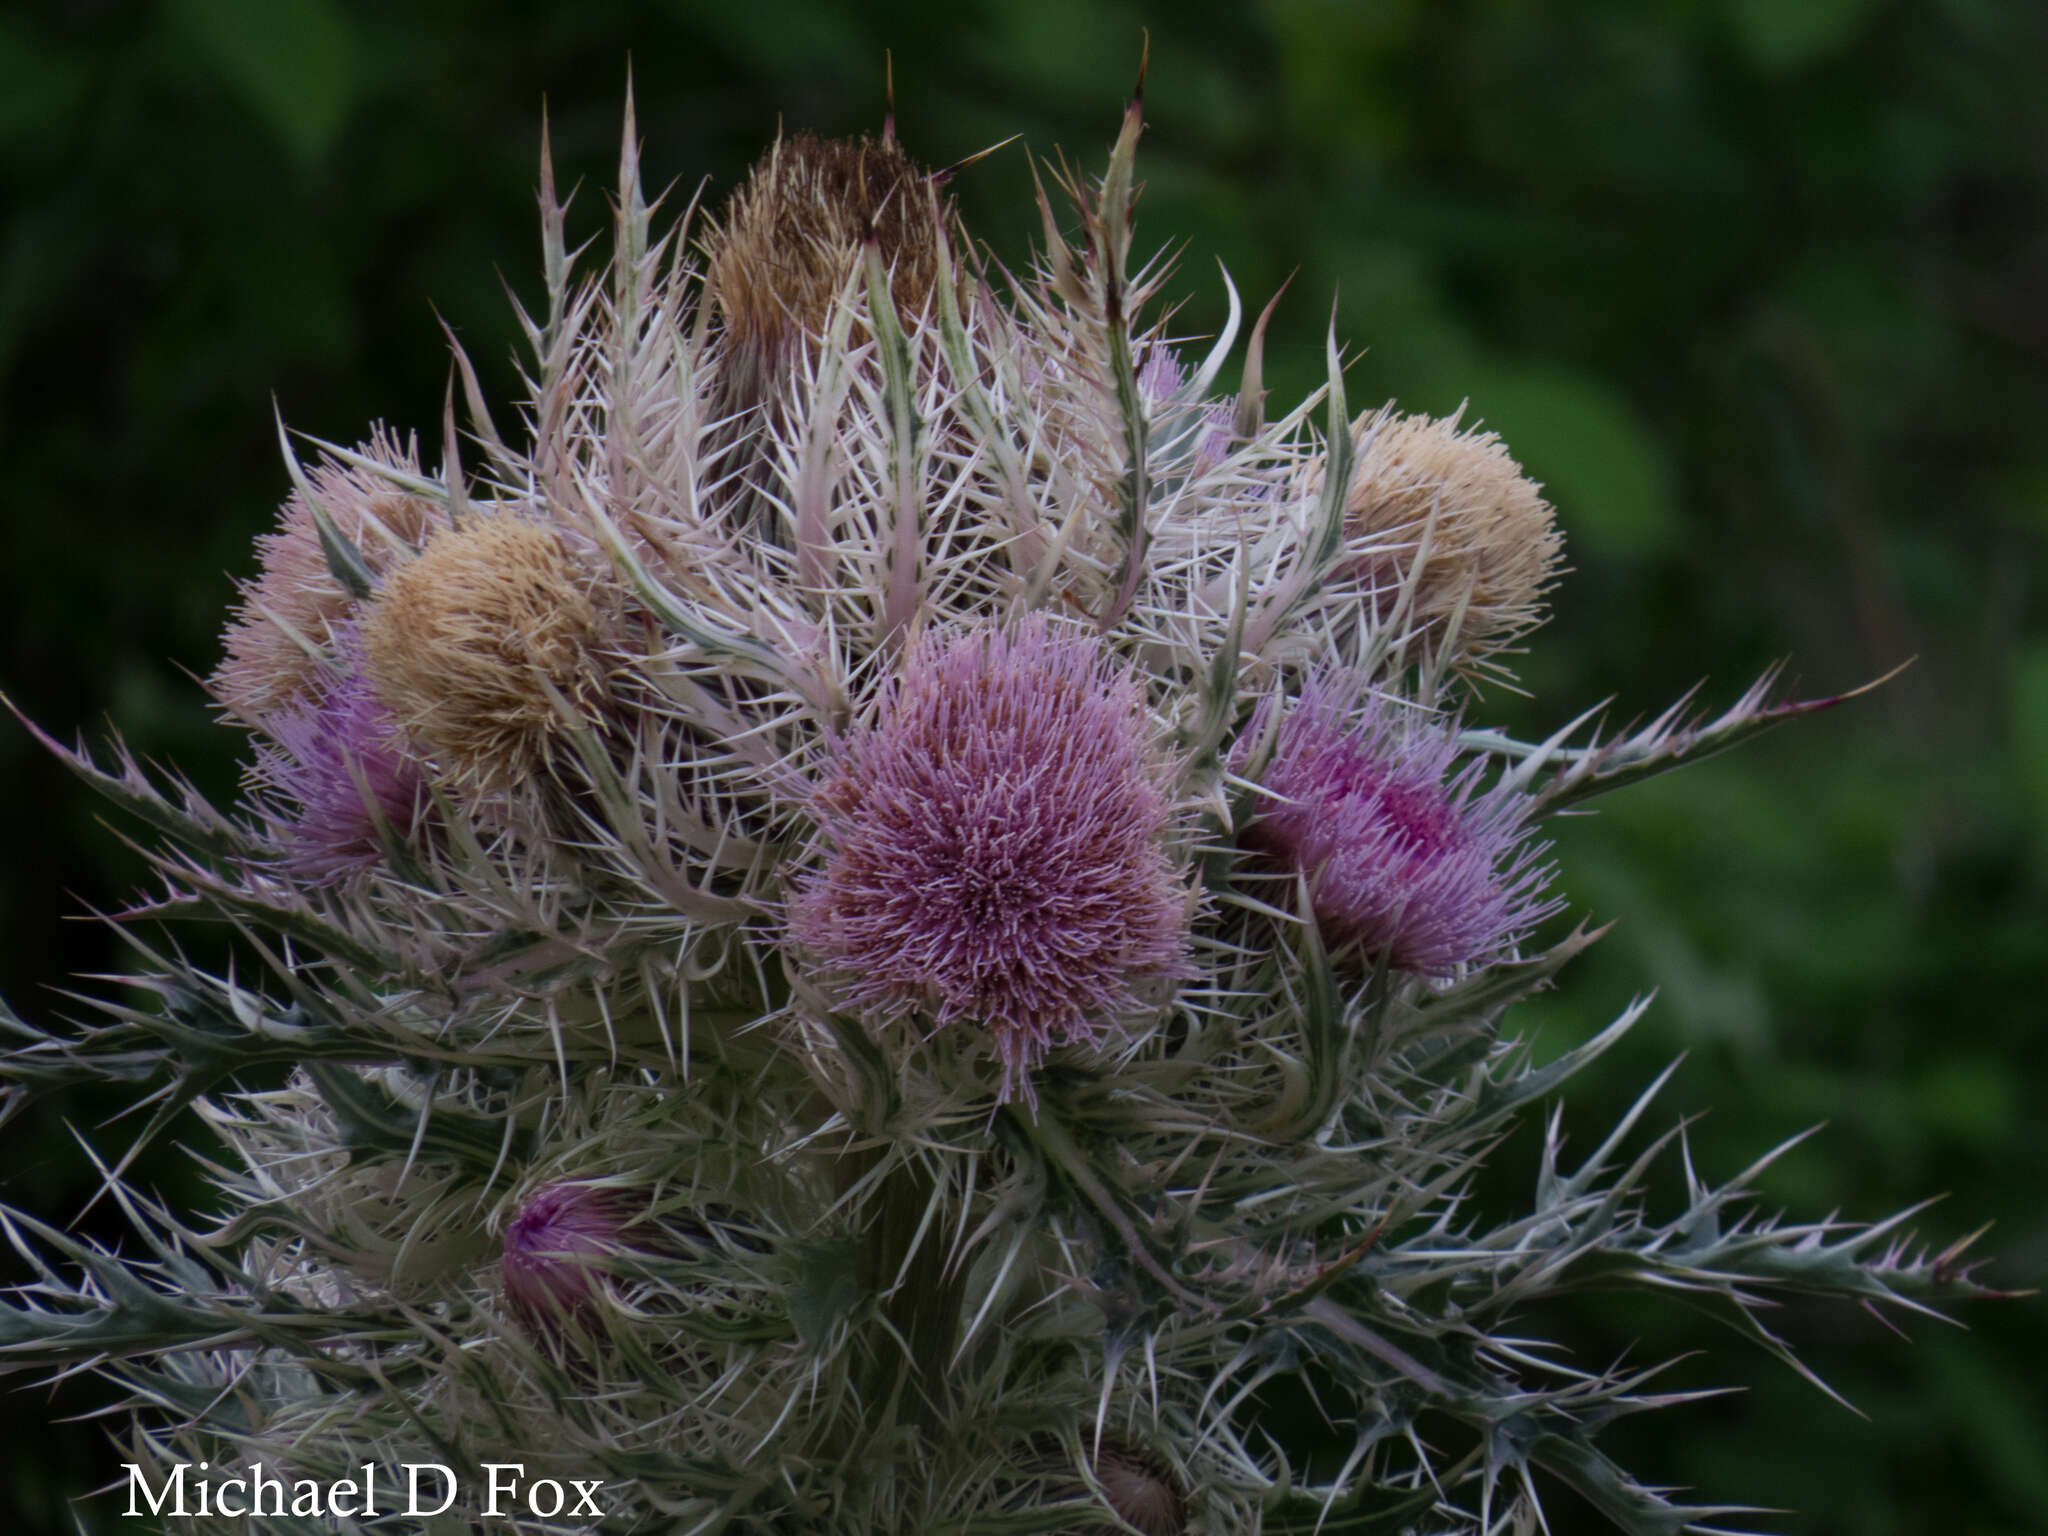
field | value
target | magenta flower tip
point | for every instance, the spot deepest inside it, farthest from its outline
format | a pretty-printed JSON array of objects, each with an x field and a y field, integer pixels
[
  {"x": 1404, "y": 858},
  {"x": 553, "y": 1249},
  {"x": 994, "y": 848}
]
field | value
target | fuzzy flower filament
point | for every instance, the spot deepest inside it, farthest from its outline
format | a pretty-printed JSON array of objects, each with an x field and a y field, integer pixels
[
  {"x": 484, "y": 643},
  {"x": 994, "y": 848},
  {"x": 555, "y": 1248},
  {"x": 1404, "y": 859},
  {"x": 343, "y": 761},
  {"x": 1206, "y": 427}
]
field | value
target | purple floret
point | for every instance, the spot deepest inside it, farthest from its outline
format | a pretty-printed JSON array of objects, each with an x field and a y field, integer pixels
[
  {"x": 334, "y": 759},
  {"x": 554, "y": 1253},
  {"x": 1404, "y": 859},
  {"x": 994, "y": 848}
]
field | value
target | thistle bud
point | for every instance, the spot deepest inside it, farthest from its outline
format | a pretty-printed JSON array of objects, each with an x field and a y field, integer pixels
[
  {"x": 1141, "y": 1489},
  {"x": 477, "y": 646},
  {"x": 555, "y": 1250},
  {"x": 1136, "y": 1486},
  {"x": 1457, "y": 502}
]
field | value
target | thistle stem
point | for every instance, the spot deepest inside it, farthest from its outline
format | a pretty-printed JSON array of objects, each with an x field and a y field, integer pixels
[{"x": 903, "y": 1261}]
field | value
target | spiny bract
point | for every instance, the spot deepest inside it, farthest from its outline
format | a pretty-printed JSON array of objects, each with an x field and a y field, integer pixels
[{"x": 886, "y": 920}]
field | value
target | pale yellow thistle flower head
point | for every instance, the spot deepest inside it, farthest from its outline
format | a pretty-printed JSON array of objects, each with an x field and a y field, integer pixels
[
  {"x": 489, "y": 646},
  {"x": 1458, "y": 501}
]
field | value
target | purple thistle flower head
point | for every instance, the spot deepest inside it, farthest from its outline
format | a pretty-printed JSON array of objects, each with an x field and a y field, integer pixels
[
  {"x": 555, "y": 1248},
  {"x": 1403, "y": 859},
  {"x": 327, "y": 755},
  {"x": 994, "y": 847}
]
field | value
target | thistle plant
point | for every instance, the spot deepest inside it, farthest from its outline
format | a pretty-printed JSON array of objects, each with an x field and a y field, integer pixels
[{"x": 890, "y": 916}]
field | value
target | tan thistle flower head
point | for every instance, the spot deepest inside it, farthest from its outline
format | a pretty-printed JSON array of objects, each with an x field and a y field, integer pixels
[
  {"x": 295, "y": 600},
  {"x": 1493, "y": 543},
  {"x": 475, "y": 645},
  {"x": 789, "y": 238}
]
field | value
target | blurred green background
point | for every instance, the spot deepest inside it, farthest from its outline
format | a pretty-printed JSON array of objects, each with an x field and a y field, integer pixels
[{"x": 1758, "y": 288}]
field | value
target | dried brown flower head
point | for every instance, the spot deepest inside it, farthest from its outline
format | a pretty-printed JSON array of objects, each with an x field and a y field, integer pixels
[
  {"x": 1492, "y": 543},
  {"x": 295, "y": 602},
  {"x": 476, "y": 645},
  {"x": 791, "y": 236}
]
